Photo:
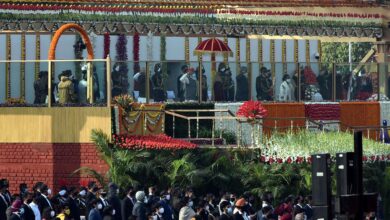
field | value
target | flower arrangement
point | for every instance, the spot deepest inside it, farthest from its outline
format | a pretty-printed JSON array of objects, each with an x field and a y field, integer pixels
[
  {"x": 154, "y": 142},
  {"x": 124, "y": 101},
  {"x": 252, "y": 110},
  {"x": 297, "y": 147},
  {"x": 310, "y": 77}
]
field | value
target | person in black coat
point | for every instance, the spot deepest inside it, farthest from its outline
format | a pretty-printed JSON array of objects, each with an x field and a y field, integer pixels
[
  {"x": 72, "y": 203},
  {"x": 114, "y": 200},
  {"x": 226, "y": 210},
  {"x": 242, "y": 85},
  {"x": 308, "y": 209},
  {"x": 28, "y": 212},
  {"x": 127, "y": 204},
  {"x": 44, "y": 202},
  {"x": 91, "y": 196},
  {"x": 5, "y": 198}
]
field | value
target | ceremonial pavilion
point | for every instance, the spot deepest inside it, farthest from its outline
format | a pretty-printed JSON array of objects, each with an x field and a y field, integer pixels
[{"x": 105, "y": 44}]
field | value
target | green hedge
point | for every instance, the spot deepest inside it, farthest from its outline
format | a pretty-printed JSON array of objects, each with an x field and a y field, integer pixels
[{"x": 181, "y": 125}]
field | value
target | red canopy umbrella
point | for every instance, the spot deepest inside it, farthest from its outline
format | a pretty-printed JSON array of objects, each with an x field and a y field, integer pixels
[{"x": 212, "y": 46}]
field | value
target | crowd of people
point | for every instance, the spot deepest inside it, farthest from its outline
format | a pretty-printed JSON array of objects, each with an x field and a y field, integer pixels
[{"x": 95, "y": 203}]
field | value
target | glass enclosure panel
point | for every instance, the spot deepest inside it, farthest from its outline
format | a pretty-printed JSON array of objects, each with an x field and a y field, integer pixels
[
  {"x": 316, "y": 83},
  {"x": 384, "y": 79},
  {"x": 345, "y": 82},
  {"x": 262, "y": 82},
  {"x": 36, "y": 83}
]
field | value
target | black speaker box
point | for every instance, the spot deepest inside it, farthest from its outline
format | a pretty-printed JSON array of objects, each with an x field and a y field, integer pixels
[
  {"x": 321, "y": 181},
  {"x": 345, "y": 173},
  {"x": 348, "y": 203},
  {"x": 322, "y": 213}
]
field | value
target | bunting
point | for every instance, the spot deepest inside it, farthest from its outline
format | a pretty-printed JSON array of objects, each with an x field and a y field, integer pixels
[
  {"x": 23, "y": 67},
  {"x": 8, "y": 67},
  {"x": 37, "y": 54}
]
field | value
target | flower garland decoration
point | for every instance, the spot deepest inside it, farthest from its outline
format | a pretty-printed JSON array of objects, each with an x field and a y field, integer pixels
[
  {"x": 260, "y": 52},
  {"x": 238, "y": 54},
  {"x": 296, "y": 56},
  {"x": 151, "y": 142},
  {"x": 163, "y": 58},
  {"x": 8, "y": 67},
  {"x": 307, "y": 47},
  {"x": 319, "y": 51},
  {"x": 23, "y": 67},
  {"x": 272, "y": 53},
  {"x": 284, "y": 59},
  {"x": 37, "y": 54},
  {"x": 154, "y": 120},
  {"x": 106, "y": 47},
  {"x": 225, "y": 55},
  {"x": 136, "y": 51},
  {"x": 121, "y": 56},
  {"x": 187, "y": 49},
  {"x": 200, "y": 57}
]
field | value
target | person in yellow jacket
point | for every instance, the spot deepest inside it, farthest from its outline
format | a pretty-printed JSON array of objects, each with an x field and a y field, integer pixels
[
  {"x": 65, "y": 88},
  {"x": 64, "y": 214}
]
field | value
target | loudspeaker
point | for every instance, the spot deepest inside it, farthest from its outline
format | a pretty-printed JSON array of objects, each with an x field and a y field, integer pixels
[
  {"x": 322, "y": 213},
  {"x": 321, "y": 182},
  {"x": 347, "y": 203},
  {"x": 345, "y": 173}
]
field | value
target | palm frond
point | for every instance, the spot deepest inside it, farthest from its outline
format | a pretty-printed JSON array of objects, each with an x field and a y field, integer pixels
[{"x": 89, "y": 172}]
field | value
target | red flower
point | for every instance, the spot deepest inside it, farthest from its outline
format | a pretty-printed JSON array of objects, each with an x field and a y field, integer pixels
[
  {"x": 159, "y": 142},
  {"x": 252, "y": 109},
  {"x": 289, "y": 160}
]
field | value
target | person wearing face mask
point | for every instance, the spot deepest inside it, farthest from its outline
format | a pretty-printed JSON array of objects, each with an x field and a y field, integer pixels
[
  {"x": 204, "y": 82},
  {"x": 164, "y": 202},
  {"x": 72, "y": 202},
  {"x": 94, "y": 213},
  {"x": 224, "y": 198},
  {"x": 28, "y": 211},
  {"x": 139, "y": 209},
  {"x": 157, "y": 212},
  {"x": 91, "y": 194},
  {"x": 44, "y": 201},
  {"x": 180, "y": 88},
  {"x": 186, "y": 212},
  {"x": 238, "y": 212},
  {"x": 62, "y": 195},
  {"x": 102, "y": 198},
  {"x": 227, "y": 211},
  {"x": 190, "y": 85},
  {"x": 242, "y": 85},
  {"x": 286, "y": 90},
  {"x": 81, "y": 201},
  {"x": 114, "y": 200},
  {"x": 127, "y": 203},
  {"x": 158, "y": 84},
  {"x": 213, "y": 210},
  {"x": 5, "y": 198},
  {"x": 264, "y": 87}
]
